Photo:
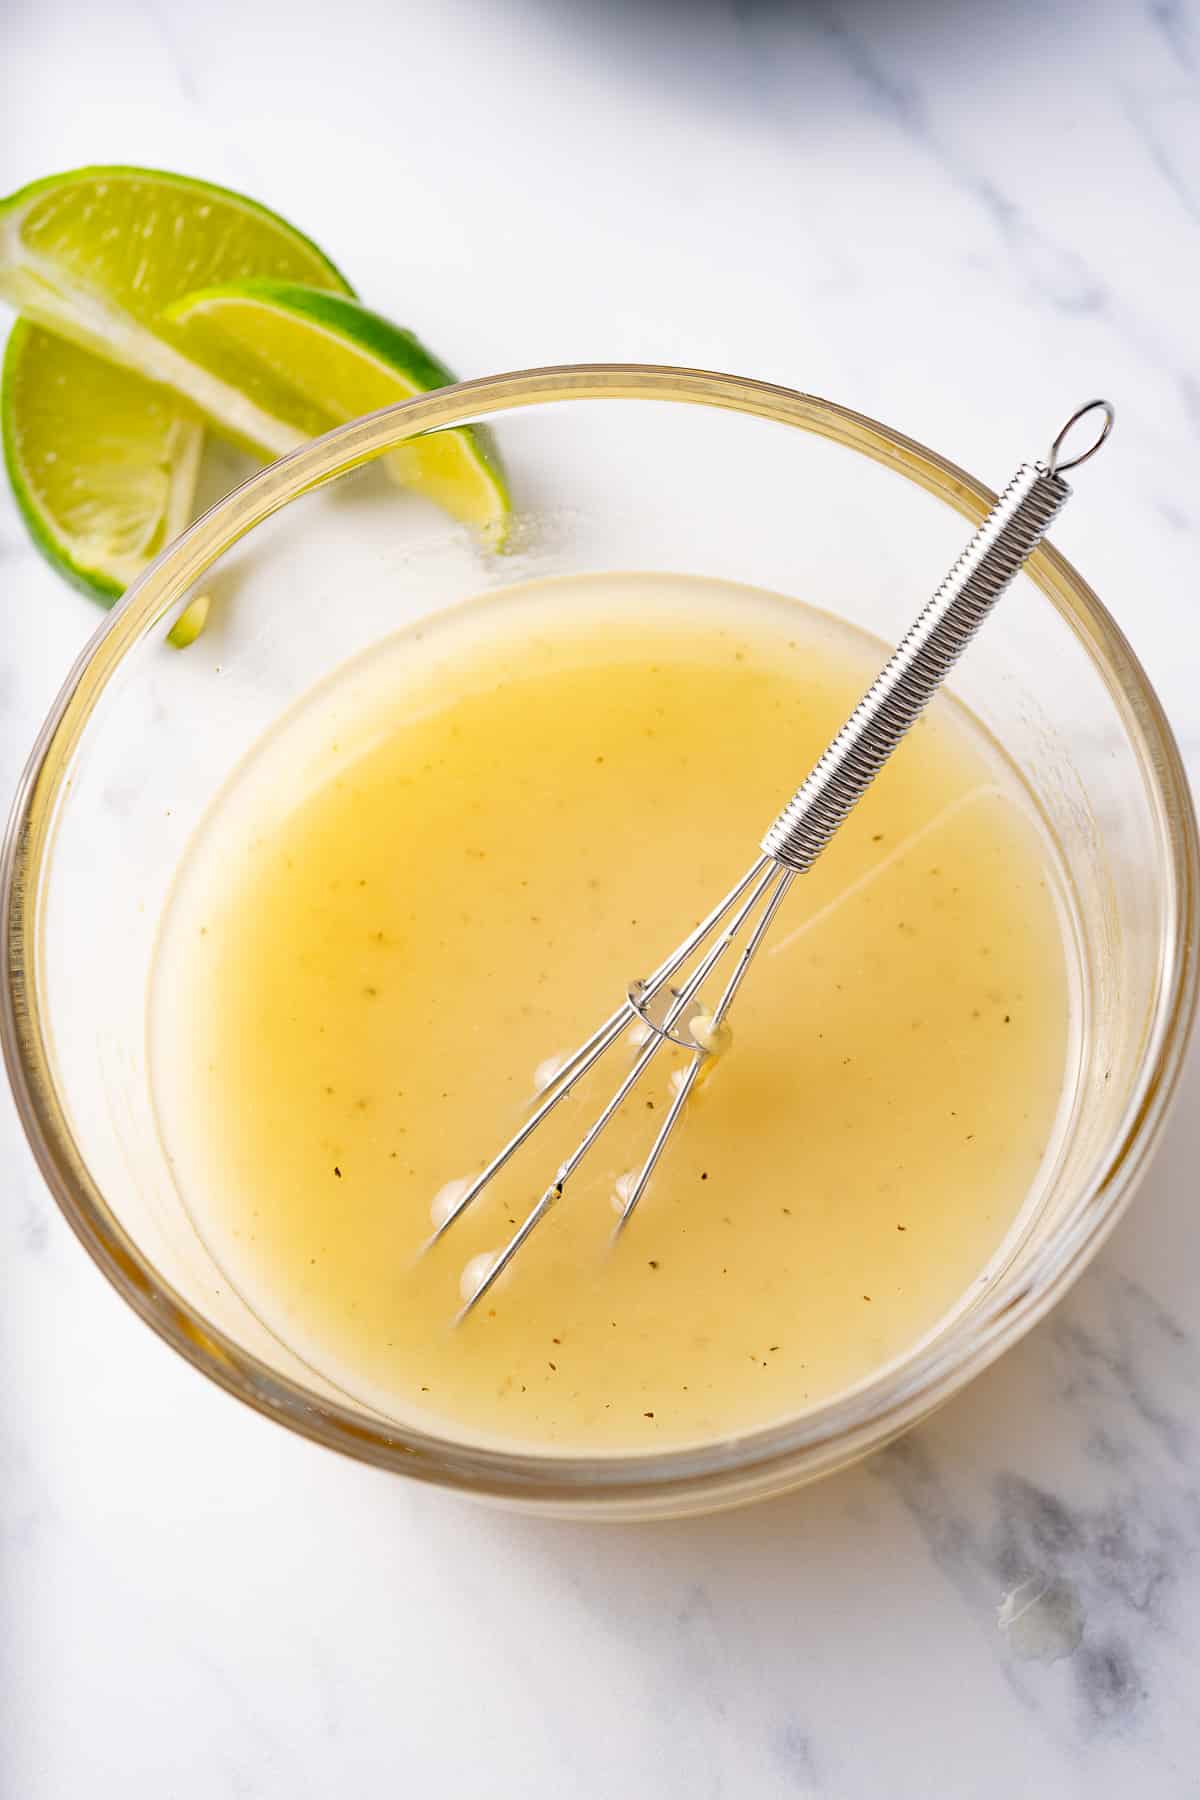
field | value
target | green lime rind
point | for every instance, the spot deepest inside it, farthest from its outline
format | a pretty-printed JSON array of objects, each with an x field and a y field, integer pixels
[
  {"x": 329, "y": 359},
  {"x": 102, "y": 464}
]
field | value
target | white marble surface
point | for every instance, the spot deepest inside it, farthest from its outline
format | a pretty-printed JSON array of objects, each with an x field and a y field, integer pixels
[{"x": 958, "y": 217}]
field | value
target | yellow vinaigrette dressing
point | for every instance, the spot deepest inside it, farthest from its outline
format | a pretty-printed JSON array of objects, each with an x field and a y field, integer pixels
[{"x": 444, "y": 866}]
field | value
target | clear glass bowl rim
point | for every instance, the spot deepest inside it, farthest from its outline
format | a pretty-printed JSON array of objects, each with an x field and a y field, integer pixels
[{"x": 645, "y": 1484}]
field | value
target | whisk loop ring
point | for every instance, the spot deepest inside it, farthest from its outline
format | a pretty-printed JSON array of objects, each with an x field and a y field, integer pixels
[{"x": 1054, "y": 463}]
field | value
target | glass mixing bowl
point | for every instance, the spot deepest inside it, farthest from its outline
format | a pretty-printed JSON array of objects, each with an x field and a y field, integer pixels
[{"x": 316, "y": 558}]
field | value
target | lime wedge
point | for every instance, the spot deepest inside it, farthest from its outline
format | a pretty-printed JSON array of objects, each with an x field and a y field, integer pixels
[
  {"x": 324, "y": 359},
  {"x": 102, "y": 464},
  {"x": 97, "y": 254}
]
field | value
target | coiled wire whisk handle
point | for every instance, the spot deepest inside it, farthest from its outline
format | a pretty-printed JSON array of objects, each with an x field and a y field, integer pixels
[{"x": 926, "y": 654}]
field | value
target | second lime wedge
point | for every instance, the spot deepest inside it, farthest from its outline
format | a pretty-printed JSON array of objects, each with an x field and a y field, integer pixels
[{"x": 325, "y": 359}]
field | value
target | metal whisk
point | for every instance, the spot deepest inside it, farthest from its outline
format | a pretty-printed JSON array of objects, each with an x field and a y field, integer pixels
[{"x": 662, "y": 1013}]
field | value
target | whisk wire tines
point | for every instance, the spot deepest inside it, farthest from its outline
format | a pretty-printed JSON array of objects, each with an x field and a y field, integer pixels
[
  {"x": 782, "y": 879},
  {"x": 582, "y": 1059},
  {"x": 1004, "y": 541}
]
